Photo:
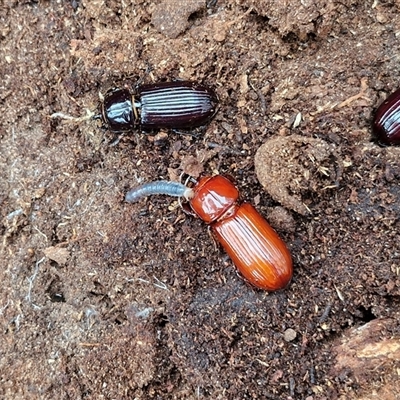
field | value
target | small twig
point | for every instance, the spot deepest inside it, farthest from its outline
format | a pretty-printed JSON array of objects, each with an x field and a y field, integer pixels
[
  {"x": 325, "y": 314},
  {"x": 160, "y": 284},
  {"x": 364, "y": 87},
  {"x": 32, "y": 279},
  {"x": 2, "y": 309},
  {"x": 263, "y": 102},
  {"x": 225, "y": 149},
  {"x": 339, "y": 293},
  {"x": 89, "y": 344},
  {"x": 236, "y": 20}
]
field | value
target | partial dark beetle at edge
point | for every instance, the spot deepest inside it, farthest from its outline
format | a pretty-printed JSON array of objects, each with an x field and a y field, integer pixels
[
  {"x": 386, "y": 121},
  {"x": 180, "y": 104}
]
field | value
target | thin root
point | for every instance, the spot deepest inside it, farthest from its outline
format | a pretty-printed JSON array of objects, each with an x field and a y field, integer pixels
[
  {"x": 361, "y": 94},
  {"x": 89, "y": 115}
]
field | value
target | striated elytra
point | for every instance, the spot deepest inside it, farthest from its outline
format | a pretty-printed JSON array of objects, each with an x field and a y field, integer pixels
[
  {"x": 180, "y": 104},
  {"x": 257, "y": 251},
  {"x": 386, "y": 122}
]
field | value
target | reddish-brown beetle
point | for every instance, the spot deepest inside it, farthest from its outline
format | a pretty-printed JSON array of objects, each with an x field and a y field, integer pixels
[{"x": 255, "y": 248}]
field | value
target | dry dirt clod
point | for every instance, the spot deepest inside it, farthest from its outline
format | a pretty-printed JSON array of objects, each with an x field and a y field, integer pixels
[
  {"x": 170, "y": 17},
  {"x": 293, "y": 168},
  {"x": 58, "y": 254},
  {"x": 363, "y": 350}
]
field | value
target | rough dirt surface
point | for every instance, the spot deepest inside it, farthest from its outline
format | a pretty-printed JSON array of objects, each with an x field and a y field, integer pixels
[
  {"x": 106, "y": 300},
  {"x": 290, "y": 165}
]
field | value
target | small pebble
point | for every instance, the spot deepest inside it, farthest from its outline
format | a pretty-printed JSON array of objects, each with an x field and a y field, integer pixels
[{"x": 289, "y": 335}]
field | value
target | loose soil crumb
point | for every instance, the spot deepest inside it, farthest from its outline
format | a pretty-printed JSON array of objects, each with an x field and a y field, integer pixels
[
  {"x": 295, "y": 167},
  {"x": 170, "y": 17}
]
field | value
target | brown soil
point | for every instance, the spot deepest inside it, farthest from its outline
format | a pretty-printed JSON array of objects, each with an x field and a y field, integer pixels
[{"x": 106, "y": 300}]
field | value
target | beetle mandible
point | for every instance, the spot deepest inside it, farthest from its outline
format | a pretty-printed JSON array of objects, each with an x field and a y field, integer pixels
[{"x": 255, "y": 248}]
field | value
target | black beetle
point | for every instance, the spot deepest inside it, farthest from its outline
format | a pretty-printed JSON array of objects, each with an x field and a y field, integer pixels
[
  {"x": 175, "y": 105},
  {"x": 180, "y": 104}
]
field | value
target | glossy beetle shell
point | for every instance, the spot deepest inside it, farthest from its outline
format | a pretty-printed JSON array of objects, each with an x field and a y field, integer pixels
[
  {"x": 180, "y": 104},
  {"x": 176, "y": 105},
  {"x": 255, "y": 248},
  {"x": 386, "y": 122},
  {"x": 117, "y": 111},
  {"x": 213, "y": 196}
]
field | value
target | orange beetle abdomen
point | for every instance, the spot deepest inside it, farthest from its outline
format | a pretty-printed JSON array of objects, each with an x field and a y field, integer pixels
[{"x": 255, "y": 248}]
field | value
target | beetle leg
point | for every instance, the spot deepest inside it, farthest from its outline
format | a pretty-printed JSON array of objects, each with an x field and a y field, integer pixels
[
  {"x": 116, "y": 140},
  {"x": 215, "y": 241},
  {"x": 193, "y": 132},
  {"x": 246, "y": 281}
]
